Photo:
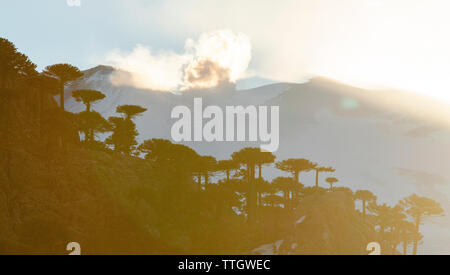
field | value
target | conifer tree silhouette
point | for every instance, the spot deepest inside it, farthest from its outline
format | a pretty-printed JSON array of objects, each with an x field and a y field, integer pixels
[
  {"x": 319, "y": 170},
  {"x": 331, "y": 182},
  {"x": 366, "y": 197},
  {"x": 64, "y": 73},
  {"x": 91, "y": 120},
  {"x": 419, "y": 208},
  {"x": 13, "y": 64},
  {"x": 124, "y": 129}
]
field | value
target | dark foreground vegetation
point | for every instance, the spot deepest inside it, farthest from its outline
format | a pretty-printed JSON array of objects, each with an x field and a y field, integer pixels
[{"x": 60, "y": 183}]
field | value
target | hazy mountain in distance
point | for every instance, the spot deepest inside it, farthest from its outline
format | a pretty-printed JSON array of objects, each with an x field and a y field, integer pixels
[
  {"x": 253, "y": 82},
  {"x": 391, "y": 142},
  {"x": 156, "y": 121}
]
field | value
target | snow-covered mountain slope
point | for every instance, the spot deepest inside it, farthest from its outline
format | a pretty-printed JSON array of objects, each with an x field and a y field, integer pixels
[
  {"x": 156, "y": 121},
  {"x": 393, "y": 143}
]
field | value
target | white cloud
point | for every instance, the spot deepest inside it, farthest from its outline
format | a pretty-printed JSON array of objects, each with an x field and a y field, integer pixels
[
  {"x": 217, "y": 56},
  {"x": 371, "y": 43},
  {"x": 147, "y": 70}
]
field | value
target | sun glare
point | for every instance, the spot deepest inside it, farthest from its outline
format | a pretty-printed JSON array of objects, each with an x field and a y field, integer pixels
[{"x": 396, "y": 44}]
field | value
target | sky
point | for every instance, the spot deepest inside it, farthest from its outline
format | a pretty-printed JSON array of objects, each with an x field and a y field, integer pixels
[{"x": 400, "y": 44}]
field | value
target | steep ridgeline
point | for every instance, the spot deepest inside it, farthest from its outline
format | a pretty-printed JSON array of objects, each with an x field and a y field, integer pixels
[
  {"x": 111, "y": 203},
  {"x": 394, "y": 143}
]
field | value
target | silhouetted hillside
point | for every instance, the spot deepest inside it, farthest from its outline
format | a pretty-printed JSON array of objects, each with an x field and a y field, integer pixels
[
  {"x": 92, "y": 177},
  {"x": 111, "y": 203}
]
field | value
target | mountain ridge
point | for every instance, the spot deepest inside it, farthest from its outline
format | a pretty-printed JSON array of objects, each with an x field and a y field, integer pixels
[{"x": 395, "y": 145}]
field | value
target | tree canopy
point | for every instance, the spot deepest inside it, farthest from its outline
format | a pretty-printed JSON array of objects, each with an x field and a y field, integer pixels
[
  {"x": 295, "y": 166},
  {"x": 161, "y": 150},
  {"x": 13, "y": 64},
  {"x": 63, "y": 72},
  {"x": 130, "y": 111},
  {"x": 88, "y": 97},
  {"x": 419, "y": 207},
  {"x": 123, "y": 138}
]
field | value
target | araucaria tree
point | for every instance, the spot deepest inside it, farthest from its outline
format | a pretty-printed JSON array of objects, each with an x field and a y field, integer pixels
[
  {"x": 250, "y": 158},
  {"x": 319, "y": 170},
  {"x": 295, "y": 167},
  {"x": 124, "y": 134},
  {"x": 332, "y": 182},
  {"x": 227, "y": 166},
  {"x": 207, "y": 166},
  {"x": 176, "y": 161},
  {"x": 13, "y": 67},
  {"x": 264, "y": 158},
  {"x": 288, "y": 187},
  {"x": 88, "y": 97},
  {"x": 130, "y": 112},
  {"x": 90, "y": 121},
  {"x": 366, "y": 197},
  {"x": 64, "y": 73},
  {"x": 13, "y": 64},
  {"x": 124, "y": 130},
  {"x": 419, "y": 208}
]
